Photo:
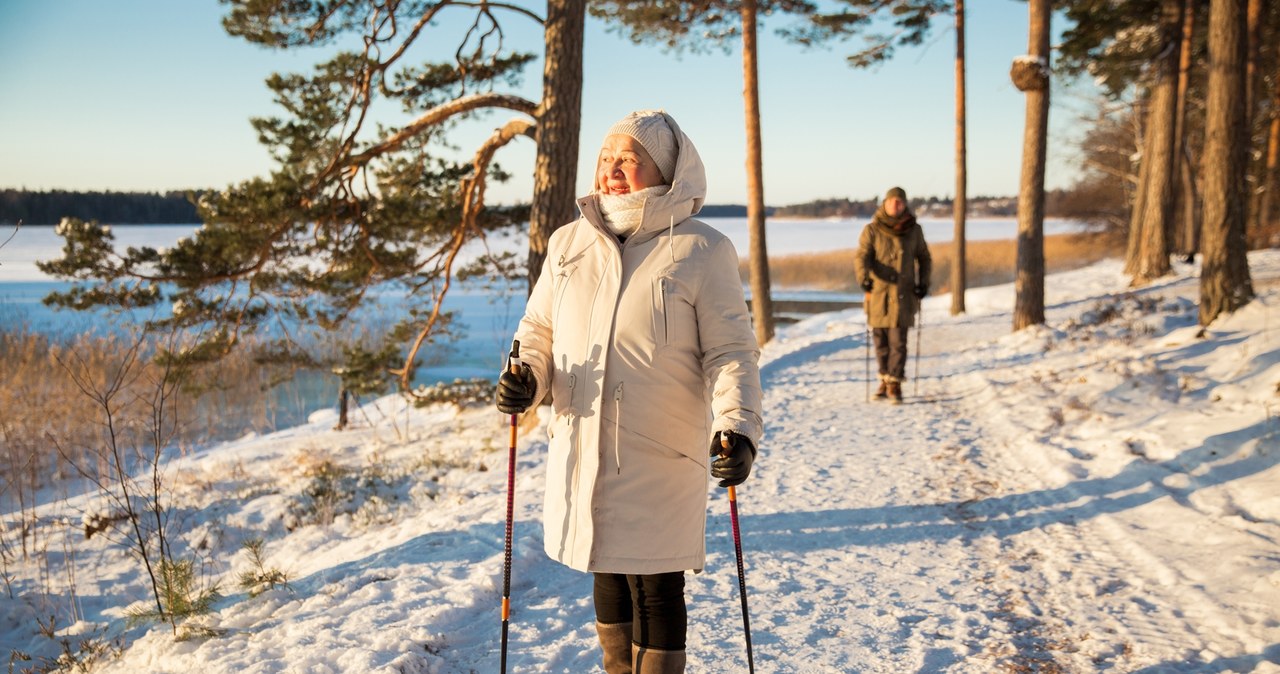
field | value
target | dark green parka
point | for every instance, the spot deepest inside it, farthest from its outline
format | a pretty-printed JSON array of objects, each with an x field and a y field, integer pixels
[{"x": 893, "y": 254}]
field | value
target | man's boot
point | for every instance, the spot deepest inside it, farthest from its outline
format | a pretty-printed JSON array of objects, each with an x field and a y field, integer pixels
[
  {"x": 883, "y": 391},
  {"x": 615, "y": 641},
  {"x": 895, "y": 392},
  {"x": 656, "y": 661}
]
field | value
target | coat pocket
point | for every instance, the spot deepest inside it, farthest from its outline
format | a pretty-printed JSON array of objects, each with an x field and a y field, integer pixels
[
  {"x": 562, "y": 278},
  {"x": 663, "y": 286}
]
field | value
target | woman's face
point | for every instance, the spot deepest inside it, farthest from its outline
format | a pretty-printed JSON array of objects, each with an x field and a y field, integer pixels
[{"x": 625, "y": 166}]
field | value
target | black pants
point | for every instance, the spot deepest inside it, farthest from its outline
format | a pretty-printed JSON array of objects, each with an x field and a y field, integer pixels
[
  {"x": 891, "y": 351},
  {"x": 654, "y": 605}
]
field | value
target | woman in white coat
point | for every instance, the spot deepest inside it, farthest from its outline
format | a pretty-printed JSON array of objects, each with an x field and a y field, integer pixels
[{"x": 638, "y": 327}]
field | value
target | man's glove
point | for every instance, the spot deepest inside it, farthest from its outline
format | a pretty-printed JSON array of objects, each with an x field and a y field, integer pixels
[
  {"x": 734, "y": 463},
  {"x": 867, "y": 284},
  {"x": 921, "y": 290},
  {"x": 515, "y": 391}
]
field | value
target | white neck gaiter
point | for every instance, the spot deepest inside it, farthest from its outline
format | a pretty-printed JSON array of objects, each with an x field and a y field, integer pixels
[{"x": 622, "y": 212}]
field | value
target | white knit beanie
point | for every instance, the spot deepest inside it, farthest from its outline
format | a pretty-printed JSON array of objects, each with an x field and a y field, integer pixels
[{"x": 650, "y": 128}]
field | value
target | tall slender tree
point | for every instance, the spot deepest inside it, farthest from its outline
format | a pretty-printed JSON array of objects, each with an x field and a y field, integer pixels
[
  {"x": 1225, "y": 283},
  {"x": 1031, "y": 75},
  {"x": 1186, "y": 240},
  {"x": 1271, "y": 168},
  {"x": 698, "y": 25},
  {"x": 761, "y": 288},
  {"x": 1153, "y": 215},
  {"x": 960, "y": 205}
]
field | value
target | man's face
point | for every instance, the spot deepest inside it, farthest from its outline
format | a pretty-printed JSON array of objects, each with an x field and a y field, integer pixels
[{"x": 894, "y": 206}]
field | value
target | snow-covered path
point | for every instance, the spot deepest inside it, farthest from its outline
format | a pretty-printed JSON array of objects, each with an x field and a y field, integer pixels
[{"x": 1095, "y": 495}]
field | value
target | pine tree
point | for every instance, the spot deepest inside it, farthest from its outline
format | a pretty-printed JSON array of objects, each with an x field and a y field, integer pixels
[
  {"x": 1224, "y": 277},
  {"x": 1031, "y": 75},
  {"x": 353, "y": 206}
]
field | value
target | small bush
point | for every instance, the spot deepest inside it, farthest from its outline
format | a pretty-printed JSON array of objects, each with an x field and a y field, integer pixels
[
  {"x": 259, "y": 578},
  {"x": 181, "y": 597}
]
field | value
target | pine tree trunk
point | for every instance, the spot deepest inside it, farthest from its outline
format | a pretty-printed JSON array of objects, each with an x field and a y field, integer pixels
[
  {"x": 1134, "y": 247},
  {"x": 1186, "y": 215},
  {"x": 1029, "y": 282},
  {"x": 1155, "y": 218},
  {"x": 958, "y": 281},
  {"x": 1252, "y": 85},
  {"x": 1269, "y": 186},
  {"x": 1224, "y": 276},
  {"x": 1266, "y": 204},
  {"x": 761, "y": 299},
  {"x": 559, "y": 122}
]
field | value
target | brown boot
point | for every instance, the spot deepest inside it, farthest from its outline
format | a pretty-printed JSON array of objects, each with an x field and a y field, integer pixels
[
  {"x": 615, "y": 641},
  {"x": 895, "y": 392},
  {"x": 883, "y": 391},
  {"x": 655, "y": 661}
]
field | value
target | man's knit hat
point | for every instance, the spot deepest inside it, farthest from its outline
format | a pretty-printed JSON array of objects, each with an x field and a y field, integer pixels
[
  {"x": 650, "y": 128},
  {"x": 896, "y": 192}
]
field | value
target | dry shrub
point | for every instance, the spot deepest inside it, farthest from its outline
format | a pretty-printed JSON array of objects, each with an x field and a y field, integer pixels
[
  {"x": 989, "y": 262},
  {"x": 47, "y": 422}
]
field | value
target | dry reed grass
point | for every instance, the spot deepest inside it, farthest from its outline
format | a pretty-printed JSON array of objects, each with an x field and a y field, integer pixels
[
  {"x": 988, "y": 263},
  {"x": 48, "y": 425}
]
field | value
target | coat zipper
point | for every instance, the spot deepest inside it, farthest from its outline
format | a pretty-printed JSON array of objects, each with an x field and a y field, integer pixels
[{"x": 617, "y": 426}]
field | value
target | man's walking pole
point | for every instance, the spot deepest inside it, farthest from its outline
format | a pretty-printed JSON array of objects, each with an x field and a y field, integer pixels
[
  {"x": 915, "y": 380},
  {"x": 866, "y": 364},
  {"x": 737, "y": 548},
  {"x": 513, "y": 365}
]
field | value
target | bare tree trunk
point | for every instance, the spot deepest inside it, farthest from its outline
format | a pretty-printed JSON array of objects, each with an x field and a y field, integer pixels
[
  {"x": 1187, "y": 232},
  {"x": 1029, "y": 283},
  {"x": 1154, "y": 220},
  {"x": 761, "y": 299},
  {"x": 1269, "y": 186},
  {"x": 1252, "y": 86},
  {"x": 559, "y": 122},
  {"x": 1224, "y": 277},
  {"x": 1140, "y": 190},
  {"x": 958, "y": 281}
]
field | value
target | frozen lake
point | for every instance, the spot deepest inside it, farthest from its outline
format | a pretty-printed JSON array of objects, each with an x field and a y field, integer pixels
[{"x": 489, "y": 319}]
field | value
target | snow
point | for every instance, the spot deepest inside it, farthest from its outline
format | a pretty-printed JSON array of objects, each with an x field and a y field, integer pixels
[{"x": 1095, "y": 494}]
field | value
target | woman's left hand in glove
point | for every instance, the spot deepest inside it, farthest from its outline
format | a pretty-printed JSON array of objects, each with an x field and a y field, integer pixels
[{"x": 734, "y": 462}]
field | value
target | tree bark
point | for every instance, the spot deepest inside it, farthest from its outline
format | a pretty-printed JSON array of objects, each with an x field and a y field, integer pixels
[
  {"x": 1252, "y": 86},
  {"x": 958, "y": 280},
  {"x": 559, "y": 123},
  {"x": 1224, "y": 276},
  {"x": 1141, "y": 114},
  {"x": 1186, "y": 215},
  {"x": 1267, "y": 203},
  {"x": 761, "y": 299},
  {"x": 1151, "y": 259},
  {"x": 1029, "y": 282}
]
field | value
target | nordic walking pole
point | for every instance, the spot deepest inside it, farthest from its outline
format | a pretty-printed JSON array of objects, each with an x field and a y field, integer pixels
[
  {"x": 915, "y": 380},
  {"x": 513, "y": 366},
  {"x": 866, "y": 364},
  {"x": 737, "y": 548}
]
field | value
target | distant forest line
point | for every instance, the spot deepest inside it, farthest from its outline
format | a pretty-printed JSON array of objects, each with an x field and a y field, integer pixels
[{"x": 176, "y": 207}]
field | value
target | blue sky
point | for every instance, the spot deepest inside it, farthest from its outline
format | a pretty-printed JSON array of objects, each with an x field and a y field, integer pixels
[{"x": 154, "y": 95}]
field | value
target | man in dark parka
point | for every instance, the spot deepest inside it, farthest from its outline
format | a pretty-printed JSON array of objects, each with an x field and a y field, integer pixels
[{"x": 893, "y": 267}]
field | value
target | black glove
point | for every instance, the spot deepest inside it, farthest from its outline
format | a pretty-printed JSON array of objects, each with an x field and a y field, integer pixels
[
  {"x": 734, "y": 464},
  {"x": 867, "y": 284},
  {"x": 921, "y": 290},
  {"x": 515, "y": 391}
]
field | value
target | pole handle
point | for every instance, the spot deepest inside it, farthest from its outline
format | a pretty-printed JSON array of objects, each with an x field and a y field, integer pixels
[{"x": 513, "y": 360}]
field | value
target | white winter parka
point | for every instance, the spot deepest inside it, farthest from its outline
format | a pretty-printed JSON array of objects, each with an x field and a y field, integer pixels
[{"x": 648, "y": 350}]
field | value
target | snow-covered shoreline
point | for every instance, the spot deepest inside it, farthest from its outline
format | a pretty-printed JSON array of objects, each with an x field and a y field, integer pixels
[{"x": 1097, "y": 494}]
